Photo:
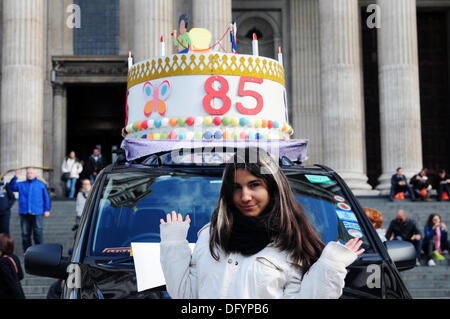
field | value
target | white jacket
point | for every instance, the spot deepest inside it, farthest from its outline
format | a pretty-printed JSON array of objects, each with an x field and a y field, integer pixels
[
  {"x": 266, "y": 274},
  {"x": 72, "y": 166}
]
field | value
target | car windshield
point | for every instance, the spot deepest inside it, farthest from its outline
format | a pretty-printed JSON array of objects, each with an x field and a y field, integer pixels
[{"x": 131, "y": 206}]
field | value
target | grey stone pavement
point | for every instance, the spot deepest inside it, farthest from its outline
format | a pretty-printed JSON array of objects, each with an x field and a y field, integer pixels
[{"x": 422, "y": 282}]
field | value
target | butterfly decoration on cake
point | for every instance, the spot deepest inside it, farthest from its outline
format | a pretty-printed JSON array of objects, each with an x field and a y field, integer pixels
[{"x": 155, "y": 97}]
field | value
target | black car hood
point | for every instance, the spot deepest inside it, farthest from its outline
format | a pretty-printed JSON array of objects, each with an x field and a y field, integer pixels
[{"x": 113, "y": 281}]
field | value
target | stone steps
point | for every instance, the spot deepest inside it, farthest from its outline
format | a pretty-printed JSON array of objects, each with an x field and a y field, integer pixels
[{"x": 422, "y": 281}]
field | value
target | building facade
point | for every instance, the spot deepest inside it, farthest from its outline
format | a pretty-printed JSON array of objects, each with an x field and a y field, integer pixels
[{"x": 367, "y": 80}]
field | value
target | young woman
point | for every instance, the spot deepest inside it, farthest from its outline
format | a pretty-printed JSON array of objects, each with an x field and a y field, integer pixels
[
  {"x": 258, "y": 244},
  {"x": 72, "y": 166},
  {"x": 435, "y": 239}
]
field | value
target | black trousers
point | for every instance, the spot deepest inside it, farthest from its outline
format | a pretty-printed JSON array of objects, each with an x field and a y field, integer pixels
[
  {"x": 428, "y": 246},
  {"x": 443, "y": 188}
]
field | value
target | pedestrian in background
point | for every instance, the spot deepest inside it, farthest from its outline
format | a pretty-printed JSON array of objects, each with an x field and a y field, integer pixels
[
  {"x": 73, "y": 167},
  {"x": 443, "y": 184},
  {"x": 95, "y": 164},
  {"x": 34, "y": 204},
  {"x": 11, "y": 272},
  {"x": 420, "y": 183},
  {"x": 81, "y": 200},
  {"x": 399, "y": 184},
  {"x": 435, "y": 239},
  {"x": 376, "y": 218},
  {"x": 403, "y": 228},
  {"x": 7, "y": 200}
]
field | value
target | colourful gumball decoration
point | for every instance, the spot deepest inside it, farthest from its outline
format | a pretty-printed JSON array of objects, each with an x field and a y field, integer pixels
[
  {"x": 173, "y": 121},
  {"x": 207, "y": 135},
  {"x": 243, "y": 121},
  {"x": 226, "y": 121},
  {"x": 173, "y": 135},
  {"x": 217, "y": 120},
  {"x": 144, "y": 125},
  {"x": 258, "y": 123},
  {"x": 270, "y": 124},
  {"x": 198, "y": 135},
  {"x": 198, "y": 121},
  {"x": 157, "y": 136},
  {"x": 189, "y": 135},
  {"x": 164, "y": 122},
  {"x": 157, "y": 123},
  {"x": 243, "y": 136},
  {"x": 190, "y": 121},
  {"x": 276, "y": 124},
  {"x": 181, "y": 121},
  {"x": 164, "y": 136},
  {"x": 226, "y": 135},
  {"x": 235, "y": 121},
  {"x": 207, "y": 120},
  {"x": 217, "y": 135},
  {"x": 263, "y": 123}
]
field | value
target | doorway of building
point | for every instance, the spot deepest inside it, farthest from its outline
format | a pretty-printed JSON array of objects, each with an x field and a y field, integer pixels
[{"x": 95, "y": 118}]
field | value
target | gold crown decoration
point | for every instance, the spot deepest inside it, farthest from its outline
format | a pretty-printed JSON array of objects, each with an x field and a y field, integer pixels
[{"x": 206, "y": 64}]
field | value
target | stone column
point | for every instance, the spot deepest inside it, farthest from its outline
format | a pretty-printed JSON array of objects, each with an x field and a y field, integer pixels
[
  {"x": 153, "y": 18},
  {"x": 23, "y": 65},
  {"x": 305, "y": 76},
  {"x": 401, "y": 137},
  {"x": 216, "y": 17},
  {"x": 342, "y": 103},
  {"x": 59, "y": 135}
]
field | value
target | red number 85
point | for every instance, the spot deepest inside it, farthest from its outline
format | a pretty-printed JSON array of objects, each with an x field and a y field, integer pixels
[{"x": 222, "y": 94}]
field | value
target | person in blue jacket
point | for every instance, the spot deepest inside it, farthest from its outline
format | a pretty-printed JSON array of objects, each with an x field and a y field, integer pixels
[{"x": 34, "y": 203}]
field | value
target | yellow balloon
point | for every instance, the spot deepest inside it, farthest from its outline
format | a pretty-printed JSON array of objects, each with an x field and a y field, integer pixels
[{"x": 200, "y": 39}]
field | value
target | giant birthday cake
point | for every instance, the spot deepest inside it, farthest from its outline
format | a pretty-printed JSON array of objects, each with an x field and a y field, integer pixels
[{"x": 207, "y": 96}]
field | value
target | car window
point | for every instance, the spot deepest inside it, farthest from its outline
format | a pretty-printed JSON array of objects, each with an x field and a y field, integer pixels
[{"x": 132, "y": 204}]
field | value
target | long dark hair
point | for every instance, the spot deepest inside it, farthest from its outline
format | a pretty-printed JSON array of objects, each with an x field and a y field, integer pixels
[
  {"x": 284, "y": 217},
  {"x": 430, "y": 220}
]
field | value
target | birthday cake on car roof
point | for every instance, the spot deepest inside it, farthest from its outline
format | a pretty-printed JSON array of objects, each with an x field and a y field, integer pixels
[{"x": 202, "y": 94}]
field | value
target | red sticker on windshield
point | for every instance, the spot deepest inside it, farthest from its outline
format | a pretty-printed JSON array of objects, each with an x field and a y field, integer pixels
[
  {"x": 343, "y": 206},
  {"x": 338, "y": 198}
]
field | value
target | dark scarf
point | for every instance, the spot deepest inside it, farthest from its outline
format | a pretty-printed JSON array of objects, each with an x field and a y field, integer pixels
[{"x": 248, "y": 235}]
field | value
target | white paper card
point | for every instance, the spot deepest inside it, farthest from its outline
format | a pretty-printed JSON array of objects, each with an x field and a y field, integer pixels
[{"x": 147, "y": 264}]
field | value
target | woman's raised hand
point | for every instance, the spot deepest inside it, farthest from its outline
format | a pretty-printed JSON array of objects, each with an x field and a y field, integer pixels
[
  {"x": 174, "y": 218},
  {"x": 354, "y": 245}
]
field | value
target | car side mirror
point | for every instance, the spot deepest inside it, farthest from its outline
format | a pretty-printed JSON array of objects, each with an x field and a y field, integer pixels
[
  {"x": 402, "y": 253},
  {"x": 47, "y": 261}
]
